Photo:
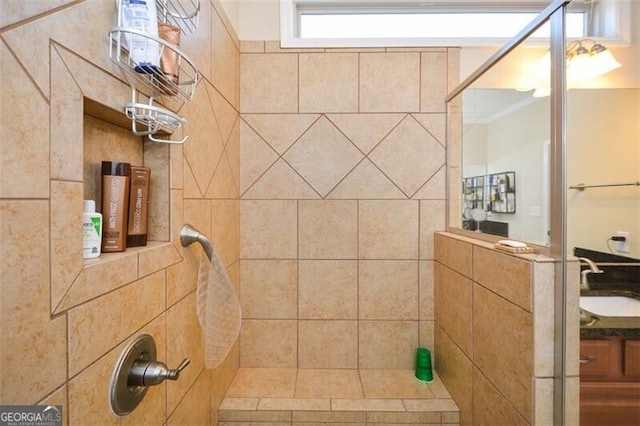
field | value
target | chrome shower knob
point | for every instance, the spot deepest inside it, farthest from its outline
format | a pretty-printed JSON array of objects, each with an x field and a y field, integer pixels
[{"x": 137, "y": 370}]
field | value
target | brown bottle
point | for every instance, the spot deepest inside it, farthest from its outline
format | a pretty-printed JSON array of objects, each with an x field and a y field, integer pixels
[
  {"x": 115, "y": 205},
  {"x": 138, "y": 206}
]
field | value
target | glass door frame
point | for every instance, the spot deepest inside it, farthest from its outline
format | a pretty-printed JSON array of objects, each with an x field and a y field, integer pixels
[{"x": 555, "y": 13}]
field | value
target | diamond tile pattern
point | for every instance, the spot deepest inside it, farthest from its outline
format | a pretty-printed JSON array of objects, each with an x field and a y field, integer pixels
[
  {"x": 323, "y": 156},
  {"x": 366, "y": 130},
  {"x": 366, "y": 181},
  {"x": 257, "y": 156},
  {"x": 350, "y": 193},
  {"x": 270, "y": 186},
  {"x": 206, "y": 145},
  {"x": 402, "y": 156},
  {"x": 410, "y": 155},
  {"x": 280, "y": 130},
  {"x": 436, "y": 124}
]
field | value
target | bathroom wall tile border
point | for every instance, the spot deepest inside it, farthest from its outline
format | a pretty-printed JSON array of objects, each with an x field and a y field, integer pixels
[{"x": 114, "y": 270}]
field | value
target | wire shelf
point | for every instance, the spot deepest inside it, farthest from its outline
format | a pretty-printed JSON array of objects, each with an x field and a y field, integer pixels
[
  {"x": 169, "y": 72},
  {"x": 154, "y": 119},
  {"x": 181, "y": 13}
]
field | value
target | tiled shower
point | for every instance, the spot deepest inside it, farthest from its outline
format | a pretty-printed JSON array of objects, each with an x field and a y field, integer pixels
[
  {"x": 65, "y": 321},
  {"x": 328, "y": 190},
  {"x": 342, "y": 181},
  {"x": 318, "y": 174}
]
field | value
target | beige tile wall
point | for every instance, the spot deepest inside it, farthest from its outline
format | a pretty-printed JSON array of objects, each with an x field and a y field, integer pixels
[
  {"x": 64, "y": 322},
  {"x": 494, "y": 331},
  {"x": 342, "y": 186}
]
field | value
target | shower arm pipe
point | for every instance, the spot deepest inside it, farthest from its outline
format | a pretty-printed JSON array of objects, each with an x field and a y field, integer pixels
[{"x": 190, "y": 235}]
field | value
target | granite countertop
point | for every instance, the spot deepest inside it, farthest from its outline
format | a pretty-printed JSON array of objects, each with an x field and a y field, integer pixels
[{"x": 612, "y": 326}]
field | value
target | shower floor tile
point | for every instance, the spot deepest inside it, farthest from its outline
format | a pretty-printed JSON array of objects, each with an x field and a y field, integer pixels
[{"x": 332, "y": 396}]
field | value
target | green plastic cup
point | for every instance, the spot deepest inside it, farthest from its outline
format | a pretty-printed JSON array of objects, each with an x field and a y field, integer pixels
[
  {"x": 424, "y": 374},
  {"x": 423, "y": 357},
  {"x": 423, "y": 365}
]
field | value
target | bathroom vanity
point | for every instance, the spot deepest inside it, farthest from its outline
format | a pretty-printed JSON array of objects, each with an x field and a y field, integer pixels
[{"x": 610, "y": 362}]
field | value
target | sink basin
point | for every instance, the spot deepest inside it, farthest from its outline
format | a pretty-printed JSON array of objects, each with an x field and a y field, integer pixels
[{"x": 611, "y": 306}]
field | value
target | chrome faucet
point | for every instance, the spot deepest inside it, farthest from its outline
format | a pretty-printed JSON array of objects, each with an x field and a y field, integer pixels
[{"x": 593, "y": 269}]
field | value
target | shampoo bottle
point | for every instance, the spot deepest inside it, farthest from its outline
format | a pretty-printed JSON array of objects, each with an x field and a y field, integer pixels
[
  {"x": 144, "y": 52},
  {"x": 115, "y": 205},
  {"x": 138, "y": 206},
  {"x": 91, "y": 230}
]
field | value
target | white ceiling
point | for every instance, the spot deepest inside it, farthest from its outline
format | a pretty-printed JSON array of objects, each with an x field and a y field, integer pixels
[{"x": 486, "y": 105}]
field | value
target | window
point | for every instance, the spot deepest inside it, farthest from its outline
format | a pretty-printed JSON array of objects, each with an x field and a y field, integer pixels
[
  {"x": 426, "y": 25},
  {"x": 368, "y": 23}
]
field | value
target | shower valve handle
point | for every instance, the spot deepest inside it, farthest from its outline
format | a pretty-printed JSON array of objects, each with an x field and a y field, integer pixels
[
  {"x": 151, "y": 373},
  {"x": 174, "y": 374}
]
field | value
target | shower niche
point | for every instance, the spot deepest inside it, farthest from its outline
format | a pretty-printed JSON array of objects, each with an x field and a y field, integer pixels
[
  {"x": 111, "y": 140},
  {"x": 87, "y": 127}
]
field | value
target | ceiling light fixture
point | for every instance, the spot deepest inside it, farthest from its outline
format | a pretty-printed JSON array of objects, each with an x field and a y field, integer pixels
[{"x": 582, "y": 64}]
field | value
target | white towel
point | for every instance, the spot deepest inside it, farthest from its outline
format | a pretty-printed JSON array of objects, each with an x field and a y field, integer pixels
[{"x": 218, "y": 310}]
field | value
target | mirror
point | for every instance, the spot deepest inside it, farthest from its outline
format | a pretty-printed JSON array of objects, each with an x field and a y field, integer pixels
[
  {"x": 505, "y": 167},
  {"x": 603, "y": 148},
  {"x": 499, "y": 126},
  {"x": 503, "y": 138},
  {"x": 603, "y": 137}
]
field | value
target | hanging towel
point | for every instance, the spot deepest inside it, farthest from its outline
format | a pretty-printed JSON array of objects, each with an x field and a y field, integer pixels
[{"x": 218, "y": 310}]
